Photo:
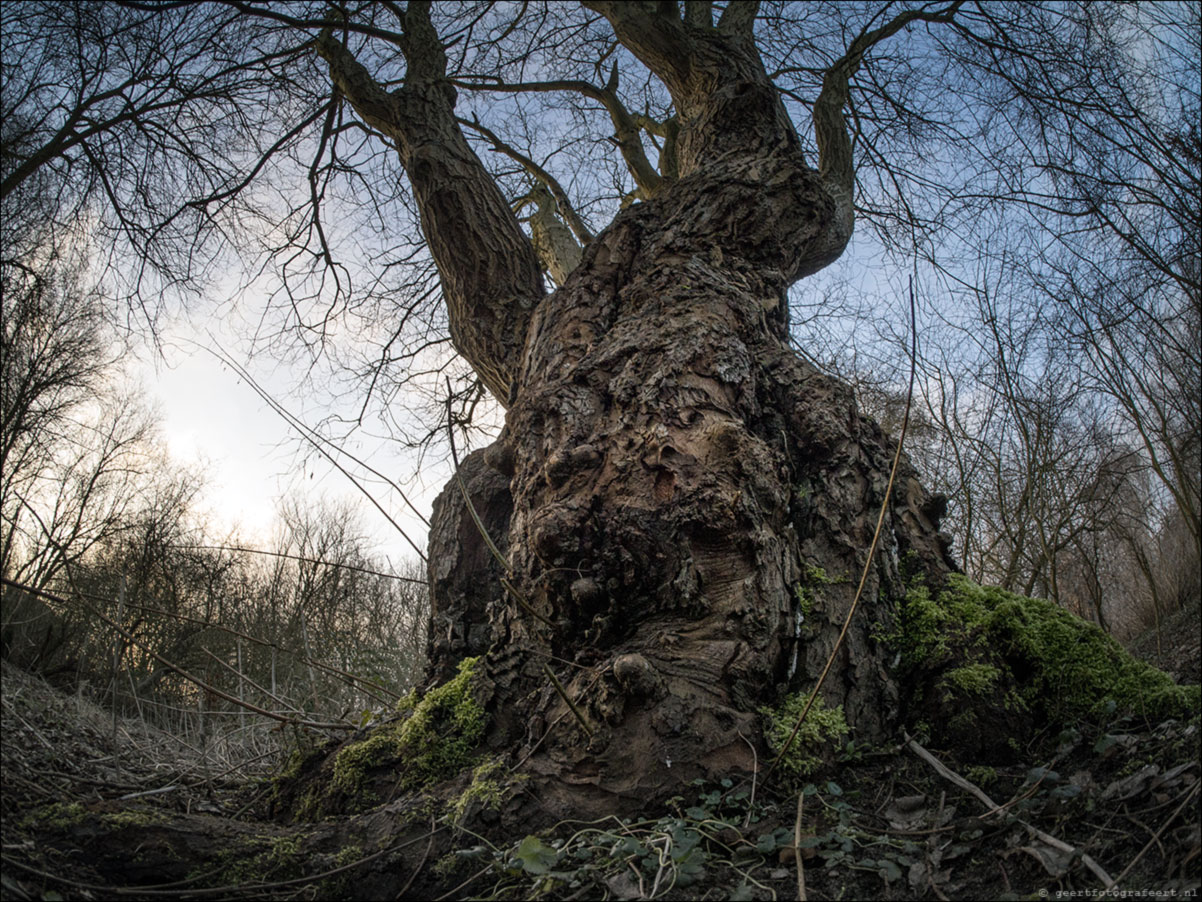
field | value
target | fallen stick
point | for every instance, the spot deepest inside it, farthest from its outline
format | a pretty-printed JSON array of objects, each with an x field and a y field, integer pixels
[
  {"x": 974, "y": 790},
  {"x": 801, "y": 880}
]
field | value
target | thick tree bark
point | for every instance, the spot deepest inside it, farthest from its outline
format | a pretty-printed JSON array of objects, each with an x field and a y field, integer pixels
[{"x": 671, "y": 474}]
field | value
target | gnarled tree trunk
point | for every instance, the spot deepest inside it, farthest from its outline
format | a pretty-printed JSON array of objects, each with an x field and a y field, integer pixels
[{"x": 670, "y": 474}]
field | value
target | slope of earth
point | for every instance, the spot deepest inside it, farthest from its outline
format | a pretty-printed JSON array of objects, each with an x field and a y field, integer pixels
[
  {"x": 1176, "y": 648},
  {"x": 83, "y": 820}
]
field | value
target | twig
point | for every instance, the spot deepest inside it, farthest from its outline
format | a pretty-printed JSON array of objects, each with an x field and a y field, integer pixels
[
  {"x": 551, "y": 726},
  {"x": 148, "y": 792},
  {"x": 239, "y": 673},
  {"x": 931, "y": 882},
  {"x": 480, "y": 873},
  {"x": 1172, "y": 817},
  {"x": 311, "y": 436},
  {"x": 42, "y": 739},
  {"x": 563, "y": 693},
  {"x": 993, "y": 808},
  {"x": 801, "y": 878},
  {"x": 755, "y": 769},
  {"x": 421, "y": 864}
]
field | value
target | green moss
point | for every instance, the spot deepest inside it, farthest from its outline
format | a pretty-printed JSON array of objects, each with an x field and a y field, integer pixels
[
  {"x": 808, "y": 590},
  {"x": 348, "y": 855},
  {"x": 492, "y": 785},
  {"x": 59, "y": 815},
  {"x": 133, "y": 818},
  {"x": 805, "y": 600},
  {"x": 977, "y": 678},
  {"x": 816, "y": 576},
  {"x": 257, "y": 859},
  {"x": 408, "y": 702},
  {"x": 292, "y": 767},
  {"x": 1062, "y": 666},
  {"x": 62, "y": 815},
  {"x": 447, "y": 865},
  {"x": 309, "y": 806},
  {"x": 437, "y": 740},
  {"x": 821, "y": 727}
]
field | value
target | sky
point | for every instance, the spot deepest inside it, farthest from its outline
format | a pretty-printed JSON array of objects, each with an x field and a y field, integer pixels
[{"x": 212, "y": 419}]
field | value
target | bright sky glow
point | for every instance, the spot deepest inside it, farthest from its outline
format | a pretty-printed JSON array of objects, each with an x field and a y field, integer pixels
[{"x": 214, "y": 421}]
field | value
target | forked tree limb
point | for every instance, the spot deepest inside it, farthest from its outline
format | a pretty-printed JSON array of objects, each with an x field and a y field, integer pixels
[{"x": 627, "y": 137}]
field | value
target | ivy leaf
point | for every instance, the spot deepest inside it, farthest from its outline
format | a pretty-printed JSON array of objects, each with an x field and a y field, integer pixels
[
  {"x": 889, "y": 870},
  {"x": 684, "y": 841},
  {"x": 536, "y": 856},
  {"x": 691, "y": 867}
]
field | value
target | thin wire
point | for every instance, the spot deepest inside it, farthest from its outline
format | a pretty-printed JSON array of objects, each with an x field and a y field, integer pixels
[
  {"x": 313, "y": 438},
  {"x": 306, "y": 560}
]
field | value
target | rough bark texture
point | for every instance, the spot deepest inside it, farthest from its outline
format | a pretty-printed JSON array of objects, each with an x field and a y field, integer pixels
[
  {"x": 675, "y": 474},
  {"x": 671, "y": 477},
  {"x": 671, "y": 474}
]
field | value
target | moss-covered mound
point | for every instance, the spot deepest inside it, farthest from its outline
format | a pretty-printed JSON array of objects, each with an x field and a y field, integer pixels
[
  {"x": 435, "y": 737},
  {"x": 986, "y": 669}
]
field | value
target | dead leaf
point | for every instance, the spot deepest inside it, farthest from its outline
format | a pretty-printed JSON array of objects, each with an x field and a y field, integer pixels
[
  {"x": 1131, "y": 786},
  {"x": 623, "y": 887}
]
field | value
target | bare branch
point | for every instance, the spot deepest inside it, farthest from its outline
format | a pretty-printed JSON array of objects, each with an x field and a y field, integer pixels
[
  {"x": 626, "y": 127},
  {"x": 569, "y": 214},
  {"x": 834, "y": 144},
  {"x": 739, "y": 17},
  {"x": 490, "y": 285}
]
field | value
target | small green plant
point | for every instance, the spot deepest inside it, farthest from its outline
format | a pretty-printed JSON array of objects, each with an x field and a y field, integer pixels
[
  {"x": 981, "y": 774},
  {"x": 808, "y": 591},
  {"x": 822, "y": 728}
]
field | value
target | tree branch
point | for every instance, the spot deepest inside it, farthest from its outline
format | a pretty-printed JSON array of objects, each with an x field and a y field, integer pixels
[
  {"x": 570, "y": 216},
  {"x": 835, "y": 162},
  {"x": 626, "y": 127},
  {"x": 739, "y": 17},
  {"x": 488, "y": 267}
]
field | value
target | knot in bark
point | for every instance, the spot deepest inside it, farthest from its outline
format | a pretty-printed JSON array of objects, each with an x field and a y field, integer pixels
[{"x": 637, "y": 676}]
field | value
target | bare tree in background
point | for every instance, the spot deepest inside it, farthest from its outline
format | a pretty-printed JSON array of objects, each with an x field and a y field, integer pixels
[{"x": 75, "y": 448}]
